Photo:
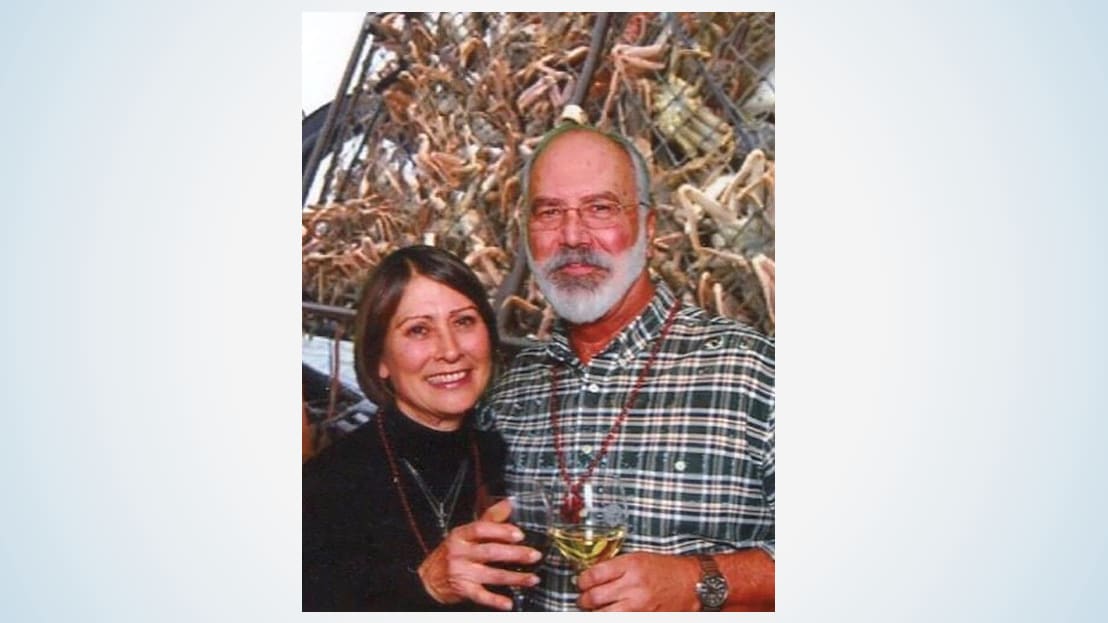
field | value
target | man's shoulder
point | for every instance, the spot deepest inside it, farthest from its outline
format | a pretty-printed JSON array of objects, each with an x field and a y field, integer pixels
[
  {"x": 524, "y": 356},
  {"x": 516, "y": 380},
  {"x": 720, "y": 333}
]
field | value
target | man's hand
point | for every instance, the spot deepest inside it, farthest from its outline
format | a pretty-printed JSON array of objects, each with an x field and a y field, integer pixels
[
  {"x": 657, "y": 582},
  {"x": 456, "y": 570},
  {"x": 640, "y": 582}
]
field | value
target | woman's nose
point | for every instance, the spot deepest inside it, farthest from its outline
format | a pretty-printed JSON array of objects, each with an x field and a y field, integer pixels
[{"x": 448, "y": 346}]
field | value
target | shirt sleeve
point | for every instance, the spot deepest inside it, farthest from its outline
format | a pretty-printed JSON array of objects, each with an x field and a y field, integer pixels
[{"x": 768, "y": 486}]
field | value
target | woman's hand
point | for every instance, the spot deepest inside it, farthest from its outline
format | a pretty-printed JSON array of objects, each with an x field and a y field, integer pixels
[{"x": 459, "y": 567}]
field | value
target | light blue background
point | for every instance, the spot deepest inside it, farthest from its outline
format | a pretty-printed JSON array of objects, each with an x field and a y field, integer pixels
[{"x": 940, "y": 211}]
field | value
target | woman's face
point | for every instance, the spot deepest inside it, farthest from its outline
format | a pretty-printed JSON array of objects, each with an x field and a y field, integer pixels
[{"x": 437, "y": 354}]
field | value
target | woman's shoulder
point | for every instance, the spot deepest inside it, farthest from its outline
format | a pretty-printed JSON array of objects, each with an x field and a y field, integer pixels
[
  {"x": 344, "y": 454},
  {"x": 489, "y": 440},
  {"x": 492, "y": 447}
]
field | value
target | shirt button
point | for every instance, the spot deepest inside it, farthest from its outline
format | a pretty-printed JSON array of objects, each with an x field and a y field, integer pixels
[
  {"x": 593, "y": 387},
  {"x": 679, "y": 466},
  {"x": 587, "y": 449}
]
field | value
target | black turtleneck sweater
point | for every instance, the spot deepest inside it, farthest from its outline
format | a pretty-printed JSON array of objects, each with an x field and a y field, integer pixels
[{"x": 359, "y": 550}]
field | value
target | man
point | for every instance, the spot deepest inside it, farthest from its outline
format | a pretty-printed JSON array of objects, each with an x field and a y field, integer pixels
[{"x": 635, "y": 384}]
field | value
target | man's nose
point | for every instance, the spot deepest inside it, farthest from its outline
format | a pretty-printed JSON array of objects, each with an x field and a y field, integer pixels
[{"x": 574, "y": 231}]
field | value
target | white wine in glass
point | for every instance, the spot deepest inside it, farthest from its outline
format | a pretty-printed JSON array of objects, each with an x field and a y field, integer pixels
[
  {"x": 585, "y": 545},
  {"x": 589, "y": 521}
]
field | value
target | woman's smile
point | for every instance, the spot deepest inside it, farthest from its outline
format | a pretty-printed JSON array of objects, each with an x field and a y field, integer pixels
[{"x": 449, "y": 380}]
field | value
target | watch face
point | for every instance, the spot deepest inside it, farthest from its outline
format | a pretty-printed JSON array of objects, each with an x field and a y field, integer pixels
[{"x": 712, "y": 591}]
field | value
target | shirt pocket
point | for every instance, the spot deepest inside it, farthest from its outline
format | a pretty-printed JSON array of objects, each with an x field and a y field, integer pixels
[
  {"x": 689, "y": 493},
  {"x": 700, "y": 481}
]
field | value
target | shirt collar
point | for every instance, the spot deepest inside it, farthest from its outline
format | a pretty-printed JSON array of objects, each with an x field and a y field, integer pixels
[{"x": 636, "y": 336}]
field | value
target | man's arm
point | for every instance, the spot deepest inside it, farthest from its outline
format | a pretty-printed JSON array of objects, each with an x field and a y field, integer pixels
[
  {"x": 750, "y": 578},
  {"x": 639, "y": 582},
  {"x": 656, "y": 582}
]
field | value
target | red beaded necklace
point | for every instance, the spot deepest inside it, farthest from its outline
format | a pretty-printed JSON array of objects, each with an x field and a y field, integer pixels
[
  {"x": 571, "y": 506},
  {"x": 400, "y": 487}
]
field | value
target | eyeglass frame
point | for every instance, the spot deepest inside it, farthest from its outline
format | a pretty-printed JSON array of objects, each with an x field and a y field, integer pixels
[{"x": 583, "y": 216}]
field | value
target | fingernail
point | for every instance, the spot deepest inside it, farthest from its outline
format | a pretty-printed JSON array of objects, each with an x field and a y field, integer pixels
[
  {"x": 535, "y": 556},
  {"x": 517, "y": 535},
  {"x": 534, "y": 580}
]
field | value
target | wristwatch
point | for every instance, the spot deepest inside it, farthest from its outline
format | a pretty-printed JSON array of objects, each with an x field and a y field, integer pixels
[{"x": 712, "y": 588}]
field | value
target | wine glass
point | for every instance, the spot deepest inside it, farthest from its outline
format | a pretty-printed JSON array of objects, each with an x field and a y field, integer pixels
[
  {"x": 531, "y": 513},
  {"x": 590, "y": 520}
]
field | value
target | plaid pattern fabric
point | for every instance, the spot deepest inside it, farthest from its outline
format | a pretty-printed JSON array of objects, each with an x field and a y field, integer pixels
[{"x": 695, "y": 456}]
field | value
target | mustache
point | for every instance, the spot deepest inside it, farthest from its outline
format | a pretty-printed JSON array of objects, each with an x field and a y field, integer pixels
[{"x": 569, "y": 256}]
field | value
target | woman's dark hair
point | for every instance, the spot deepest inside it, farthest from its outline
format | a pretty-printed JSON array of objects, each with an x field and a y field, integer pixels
[{"x": 381, "y": 296}]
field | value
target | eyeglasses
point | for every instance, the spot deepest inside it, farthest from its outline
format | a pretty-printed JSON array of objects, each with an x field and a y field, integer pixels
[{"x": 595, "y": 214}]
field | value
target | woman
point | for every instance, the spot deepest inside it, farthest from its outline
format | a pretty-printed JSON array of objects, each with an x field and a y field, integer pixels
[{"x": 389, "y": 508}]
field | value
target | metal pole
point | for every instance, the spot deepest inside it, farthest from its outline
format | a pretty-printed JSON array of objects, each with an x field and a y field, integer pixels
[
  {"x": 599, "y": 32},
  {"x": 325, "y": 136},
  {"x": 329, "y": 311}
]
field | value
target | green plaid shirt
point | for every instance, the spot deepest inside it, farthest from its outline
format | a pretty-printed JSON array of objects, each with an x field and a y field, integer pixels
[{"x": 695, "y": 455}]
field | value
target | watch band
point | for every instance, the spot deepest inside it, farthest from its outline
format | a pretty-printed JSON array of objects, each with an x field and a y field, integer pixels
[
  {"x": 708, "y": 564},
  {"x": 712, "y": 588}
]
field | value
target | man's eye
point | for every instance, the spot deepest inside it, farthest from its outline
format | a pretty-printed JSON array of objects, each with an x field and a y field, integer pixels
[
  {"x": 547, "y": 213},
  {"x": 603, "y": 210}
]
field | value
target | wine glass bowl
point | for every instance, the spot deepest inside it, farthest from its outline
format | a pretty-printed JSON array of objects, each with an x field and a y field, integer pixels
[
  {"x": 531, "y": 513},
  {"x": 589, "y": 522}
]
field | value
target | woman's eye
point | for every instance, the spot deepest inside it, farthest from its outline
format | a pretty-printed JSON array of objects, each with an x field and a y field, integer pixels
[
  {"x": 416, "y": 331},
  {"x": 466, "y": 321}
]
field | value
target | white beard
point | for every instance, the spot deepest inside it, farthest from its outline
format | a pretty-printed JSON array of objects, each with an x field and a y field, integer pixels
[{"x": 581, "y": 300}]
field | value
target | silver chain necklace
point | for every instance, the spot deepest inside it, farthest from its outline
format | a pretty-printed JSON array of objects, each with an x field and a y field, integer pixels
[{"x": 443, "y": 509}]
